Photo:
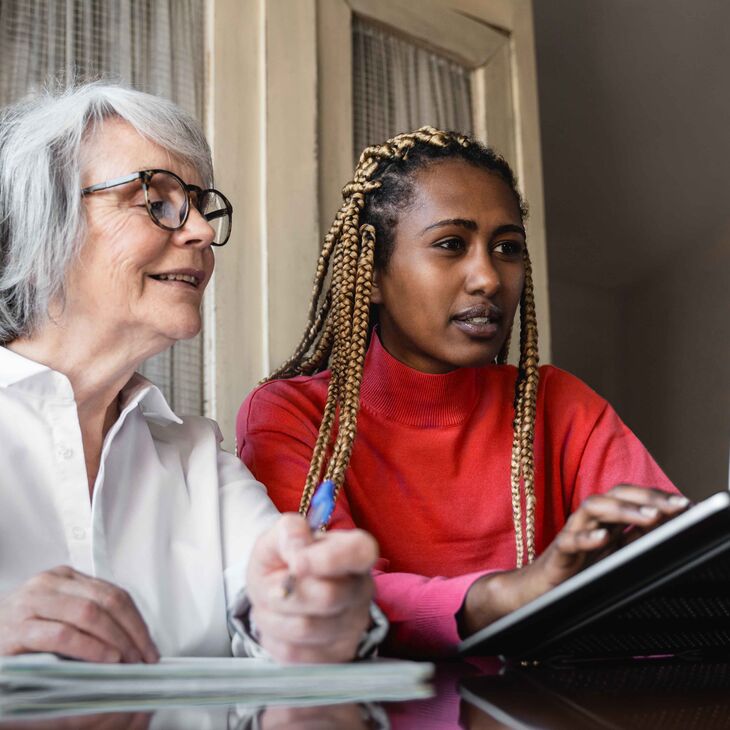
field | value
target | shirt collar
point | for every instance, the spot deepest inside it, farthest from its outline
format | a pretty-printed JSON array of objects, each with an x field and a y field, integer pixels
[
  {"x": 14, "y": 367},
  {"x": 39, "y": 380},
  {"x": 142, "y": 392}
]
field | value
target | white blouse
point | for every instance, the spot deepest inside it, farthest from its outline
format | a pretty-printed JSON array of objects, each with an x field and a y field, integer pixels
[{"x": 172, "y": 520}]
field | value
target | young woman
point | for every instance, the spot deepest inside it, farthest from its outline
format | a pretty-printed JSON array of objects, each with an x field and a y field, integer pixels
[{"x": 484, "y": 484}]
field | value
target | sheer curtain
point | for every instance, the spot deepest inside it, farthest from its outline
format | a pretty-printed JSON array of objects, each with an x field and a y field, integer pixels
[
  {"x": 399, "y": 86},
  {"x": 153, "y": 45}
]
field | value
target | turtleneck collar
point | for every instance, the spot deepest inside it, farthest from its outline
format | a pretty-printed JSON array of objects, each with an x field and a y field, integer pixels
[{"x": 400, "y": 393}]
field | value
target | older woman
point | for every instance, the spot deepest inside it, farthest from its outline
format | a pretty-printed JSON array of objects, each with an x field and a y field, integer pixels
[{"x": 125, "y": 531}]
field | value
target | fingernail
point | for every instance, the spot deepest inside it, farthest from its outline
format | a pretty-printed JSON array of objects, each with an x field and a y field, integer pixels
[
  {"x": 677, "y": 500},
  {"x": 598, "y": 534},
  {"x": 648, "y": 511}
]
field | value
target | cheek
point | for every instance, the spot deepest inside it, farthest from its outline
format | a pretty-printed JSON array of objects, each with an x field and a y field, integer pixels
[
  {"x": 112, "y": 262},
  {"x": 126, "y": 251},
  {"x": 411, "y": 289},
  {"x": 209, "y": 258},
  {"x": 512, "y": 285}
]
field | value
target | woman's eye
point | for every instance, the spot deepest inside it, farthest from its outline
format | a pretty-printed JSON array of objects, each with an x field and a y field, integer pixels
[
  {"x": 512, "y": 249},
  {"x": 159, "y": 208},
  {"x": 451, "y": 244}
]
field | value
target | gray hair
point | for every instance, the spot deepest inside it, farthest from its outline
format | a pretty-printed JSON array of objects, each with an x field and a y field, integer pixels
[{"x": 42, "y": 221}]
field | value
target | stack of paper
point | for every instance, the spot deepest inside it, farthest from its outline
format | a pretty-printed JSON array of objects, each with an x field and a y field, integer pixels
[{"x": 35, "y": 683}]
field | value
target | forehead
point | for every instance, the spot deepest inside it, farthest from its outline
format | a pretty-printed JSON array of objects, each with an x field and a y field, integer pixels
[
  {"x": 115, "y": 148},
  {"x": 462, "y": 190}
]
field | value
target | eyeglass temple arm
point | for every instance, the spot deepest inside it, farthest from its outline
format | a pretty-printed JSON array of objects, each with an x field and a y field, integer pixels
[{"x": 111, "y": 183}]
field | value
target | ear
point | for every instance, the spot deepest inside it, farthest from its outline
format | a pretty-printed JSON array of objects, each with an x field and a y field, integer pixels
[{"x": 376, "y": 295}]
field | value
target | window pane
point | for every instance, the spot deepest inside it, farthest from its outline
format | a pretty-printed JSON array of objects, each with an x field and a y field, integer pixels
[{"x": 399, "y": 86}]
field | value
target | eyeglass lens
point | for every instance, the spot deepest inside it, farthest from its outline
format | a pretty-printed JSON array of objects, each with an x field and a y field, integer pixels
[{"x": 168, "y": 205}]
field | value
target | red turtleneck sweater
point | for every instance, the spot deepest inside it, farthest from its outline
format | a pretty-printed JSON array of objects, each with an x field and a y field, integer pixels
[{"x": 429, "y": 474}]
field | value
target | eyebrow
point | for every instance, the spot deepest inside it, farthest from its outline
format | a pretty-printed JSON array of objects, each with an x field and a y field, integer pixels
[{"x": 472, "y": 226}]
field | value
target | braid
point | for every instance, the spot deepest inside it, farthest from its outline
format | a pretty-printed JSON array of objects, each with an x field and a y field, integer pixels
[
  {"x": 359, "y": 241},
  {"x": 522, "y": 465}
]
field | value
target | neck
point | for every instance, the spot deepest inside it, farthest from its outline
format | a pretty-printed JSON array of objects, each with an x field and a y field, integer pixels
[
  {"x": 98, "y": 365},
  {"x": 96, "y": 369}
]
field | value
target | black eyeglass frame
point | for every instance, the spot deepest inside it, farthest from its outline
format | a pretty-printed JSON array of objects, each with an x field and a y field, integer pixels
[{"x": 146, "y": 175}]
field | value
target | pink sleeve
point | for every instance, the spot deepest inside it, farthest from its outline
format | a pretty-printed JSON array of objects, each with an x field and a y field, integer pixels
[
  {"x": 275, "y": 437},
  {"x": 422, "y": 612}
]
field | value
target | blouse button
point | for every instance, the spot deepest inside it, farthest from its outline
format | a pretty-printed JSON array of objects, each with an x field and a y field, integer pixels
[
  {"x": 78, "y": 533},
  {"x": 65, "y": 453}
]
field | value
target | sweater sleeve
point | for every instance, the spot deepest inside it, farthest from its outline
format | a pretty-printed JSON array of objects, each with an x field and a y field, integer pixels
[
  {"x": 275, "y": 434},
  {"x": 614, "y": 455},
  {"x": 591, "y": 449}
]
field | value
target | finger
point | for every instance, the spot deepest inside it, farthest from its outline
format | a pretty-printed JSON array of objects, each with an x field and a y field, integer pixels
[
  {"x": 89, "y": 617},
  {"x": 572, "y": 543},
  {"x": 313, "y": 631},
  {"x": 314, "y": 596},
  {"x": 120, "y": 607},
  {"x": 666, "y": 502},
  {"x": 609, "y": 509},
  {"x": 39, "y": 635},
  {"x": 337, "y": 553},
  {"x": 115, "y": 602}
]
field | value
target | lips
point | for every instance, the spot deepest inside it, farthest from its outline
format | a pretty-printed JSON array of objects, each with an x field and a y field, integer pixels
[
  {"x": 481, "y": 321},
  {"x": 187, "y": 277}
]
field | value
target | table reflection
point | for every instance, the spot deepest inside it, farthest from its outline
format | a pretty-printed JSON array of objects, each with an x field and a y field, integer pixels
[
  {"x": 346, "y": 716},
  {"x": 105, "y": 721},
  {"x": 474, "y": 695},
  {"x": 672, "y": 695}
]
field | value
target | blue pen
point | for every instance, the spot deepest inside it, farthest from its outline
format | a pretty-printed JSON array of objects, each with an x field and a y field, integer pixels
[
  {"x": 322, "y": 505},
  {"x": 318, "y": 515}
]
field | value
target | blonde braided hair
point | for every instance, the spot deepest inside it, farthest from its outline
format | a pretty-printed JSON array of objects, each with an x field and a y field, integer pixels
[{"x": 339, "y": 321}]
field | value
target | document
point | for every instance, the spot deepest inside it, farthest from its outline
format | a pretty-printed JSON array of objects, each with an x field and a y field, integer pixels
[{"x": 44, "y": 682}]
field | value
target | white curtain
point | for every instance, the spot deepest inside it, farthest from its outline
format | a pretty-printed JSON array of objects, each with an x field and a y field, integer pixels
[
  {"x": 152, "y": 45},
  {"x": 399, "y": 86}
]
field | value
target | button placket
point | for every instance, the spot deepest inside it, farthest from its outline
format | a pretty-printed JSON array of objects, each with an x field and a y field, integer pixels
[{"x": 75, "y": 507}]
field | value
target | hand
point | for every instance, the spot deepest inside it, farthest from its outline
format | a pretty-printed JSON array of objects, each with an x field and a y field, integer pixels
[
  {"x": 69, "y": 613},
  {"x": 595, "y": 529},
  {"x": 326, "y": 613}
]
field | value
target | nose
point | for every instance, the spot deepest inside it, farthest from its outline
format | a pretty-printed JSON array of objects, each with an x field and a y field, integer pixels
[
  {"x": 481, "y": 276},
  {"x": 196, "y": 231}
]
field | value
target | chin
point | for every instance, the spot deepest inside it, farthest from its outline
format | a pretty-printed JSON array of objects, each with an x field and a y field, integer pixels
[
  {"x": 477, "y": 361},
  {"x": 183, "y": 328}
]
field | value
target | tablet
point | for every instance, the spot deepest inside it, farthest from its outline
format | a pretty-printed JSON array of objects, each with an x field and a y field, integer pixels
[{"x": 665, "y": 594}]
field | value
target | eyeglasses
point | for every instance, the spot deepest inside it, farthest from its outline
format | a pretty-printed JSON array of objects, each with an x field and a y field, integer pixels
[{"x": 167, "y": 199}]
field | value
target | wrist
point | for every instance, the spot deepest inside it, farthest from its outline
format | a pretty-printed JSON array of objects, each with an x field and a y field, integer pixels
[{"x": 491, "y": 597}]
